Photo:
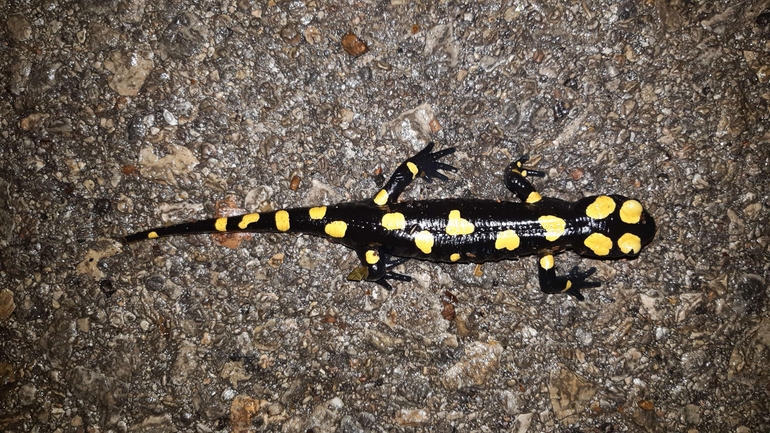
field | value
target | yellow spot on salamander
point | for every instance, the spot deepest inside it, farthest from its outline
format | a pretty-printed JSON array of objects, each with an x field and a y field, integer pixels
[
  {"x": 152, "y": 235},
  {"x": 457, "y": 225},
  {"x": 381, "y": 198},
  {"x": 534, "y": 197},
  {"x": 553, "y": 226},
  {"x": 248, "y": 219},
  {"x": 599, "y": 244},
  {"x": 220, "y": 224},
  {"x": 546, "y": 262},
  {"x": 630, "y": 243},
  {"x": 394, "y": 221},
  {"x": 507, "y": 239},
  {"x": 601, "y": 208},
  {"x": 316, "y": 213},
  {"x": 372, "y": 257},
  {"x": 282, "y": 220},
  {"x": 336, "y": 229},
  {"x": 454, "y": 257},
  {"x": 424, "y": 241},
  {"x": 631, "y": 212},
  {"x": 567, "y": 286},
  {"x": 412, "y": 169}
]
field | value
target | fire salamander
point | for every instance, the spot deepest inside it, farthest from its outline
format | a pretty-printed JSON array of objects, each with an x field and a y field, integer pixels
[{"x": 385, "y": 232}]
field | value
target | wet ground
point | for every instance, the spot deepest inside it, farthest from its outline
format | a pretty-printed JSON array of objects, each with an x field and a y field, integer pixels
[{"x": 117, "y": 116}]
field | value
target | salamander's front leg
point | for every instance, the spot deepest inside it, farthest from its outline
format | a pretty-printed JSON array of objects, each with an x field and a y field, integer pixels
[
  {"x": 515, "y": 180},
  {"x": 425, "y": 164},
  {"x": 570, "y": 283},
  {"x": 376, "y": 267}
]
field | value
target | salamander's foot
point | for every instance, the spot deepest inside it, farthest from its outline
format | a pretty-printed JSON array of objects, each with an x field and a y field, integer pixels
[
  {"x": 571, "y": 283},
  {"x": 428, "y": 164},
  {"x": 424, "y": 164},
  {"x": 376, "y": 267}
]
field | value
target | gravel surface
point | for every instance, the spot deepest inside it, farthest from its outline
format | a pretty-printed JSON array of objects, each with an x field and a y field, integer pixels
[{"x": 121, "y": 115}]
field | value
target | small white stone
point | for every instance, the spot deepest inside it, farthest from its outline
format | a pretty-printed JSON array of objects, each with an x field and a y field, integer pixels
[
  {"x": 336, "y": 403},
  {"x": 170, "y": 118}
]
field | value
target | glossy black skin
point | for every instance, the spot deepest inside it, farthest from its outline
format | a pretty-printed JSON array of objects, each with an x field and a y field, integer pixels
[
  {"x": 488, "y": 217},
  {"x": 365, "y": 232}
]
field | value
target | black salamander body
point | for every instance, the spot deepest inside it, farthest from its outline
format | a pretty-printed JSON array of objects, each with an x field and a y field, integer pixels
[{"x": 385, "y": 232}]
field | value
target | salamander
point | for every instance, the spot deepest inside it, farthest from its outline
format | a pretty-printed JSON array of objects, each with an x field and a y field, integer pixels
[{"x": 385, "y": 232}]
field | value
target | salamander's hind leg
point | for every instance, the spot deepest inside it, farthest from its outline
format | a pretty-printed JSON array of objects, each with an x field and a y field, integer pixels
[
  {"x": 515, "y": 180},
  {"x": 425, "y": 164},
  {"x": 376, "y": 267},
  {"x": 570, "y": 283}
]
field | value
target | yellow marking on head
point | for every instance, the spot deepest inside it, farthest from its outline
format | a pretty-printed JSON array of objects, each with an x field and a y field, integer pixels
[
  {"x": 152, "y": 235},
  {"x": 248, "y": 219},
  {"x": 381, "y": 198},
  {"x": 221, "y": 224},
  {"x": 553, "y": 226},
  {"x": 282, "y": 220},
  {"x": 546, "y": 262},
  {"x": 372, "y": 257},
  {"x": 533, "y": 197},
  {"x": 424, "y": 241},
  {"x": 507, "y": 239},
  {"x": 336, "y": 229},
  {"x": 567, "y": 286},
  {"x": 412, "y": 169},
  {"x": 601, "y": 208},
  {"x": 457, "y": 225},
  {"x": 599, "y": 244},
  {"x": 630, "y": 244},
  {"x": 454, "y": 257},
  {"x": 631, "y": 212},
  {"x": 316, "y": 213},
  {"x": 394, "y": 221}
]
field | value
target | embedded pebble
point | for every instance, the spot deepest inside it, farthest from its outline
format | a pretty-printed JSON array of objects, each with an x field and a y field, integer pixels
[
  {"x": 763, "y": 74},
  {"x": 479, "y": 362},
  {"x": 411, "y": 417},
  {"x": 179, "y": 161},
  {"x": 7, "y": 305},
  {"x": 19, "y": 27},
  {"x": 129, "y": 71},
  {"x": 569, "y": 393}
]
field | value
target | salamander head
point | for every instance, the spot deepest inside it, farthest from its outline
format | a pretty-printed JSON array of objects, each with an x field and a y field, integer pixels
[{"x": 622, "y": 227}]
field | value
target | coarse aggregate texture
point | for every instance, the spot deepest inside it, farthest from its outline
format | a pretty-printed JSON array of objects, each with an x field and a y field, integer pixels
[{"x": 121, "y": 115}]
